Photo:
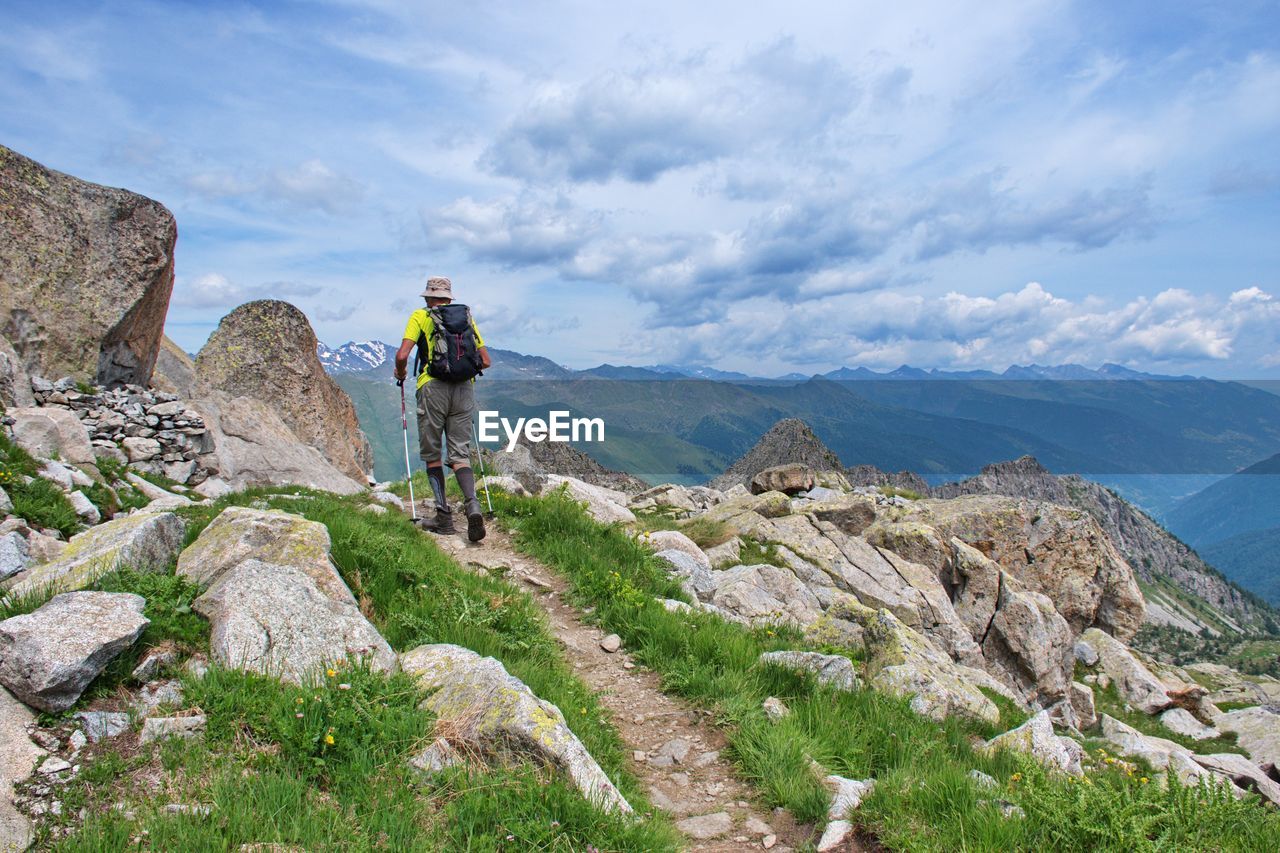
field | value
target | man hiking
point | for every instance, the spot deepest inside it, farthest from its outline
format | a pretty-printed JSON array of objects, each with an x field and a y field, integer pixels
[{"x": 451, "y": 354}]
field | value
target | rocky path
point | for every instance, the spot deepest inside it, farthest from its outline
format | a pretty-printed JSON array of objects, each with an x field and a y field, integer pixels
[{"x": 676, "y": 751}]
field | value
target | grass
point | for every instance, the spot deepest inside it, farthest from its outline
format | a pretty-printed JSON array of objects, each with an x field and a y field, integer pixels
[
  {"x": 924, "y": 799},
  {"x": 705, "y": 533},
  {"x": 40, "y": 502},
  {"x": 269, "y": 768}
]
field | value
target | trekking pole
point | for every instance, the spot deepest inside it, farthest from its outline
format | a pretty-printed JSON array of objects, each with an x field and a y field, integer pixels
[
  {"x": 484, "y": 478},
  {"x": 408, "y": 472}
]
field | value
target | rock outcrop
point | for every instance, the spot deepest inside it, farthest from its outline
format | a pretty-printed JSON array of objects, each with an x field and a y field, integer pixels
[
  {"x": 86, "y": 272},
  {"x": 266, "y": 350},
  {"x": 51, "y": 431},
  {"x": 276, "y": 620},
  {"x": 788, "y": 441},
  {"x": 484, "y": 706},
  {"x": 252, "y": 446},
  {"x": 1133, "y": 681},
  {"x": 15, "y": 382},
  {"x": 603, "y": 504},
  {"x": 1056, "y": 551},
  {"x": 49, "y": 656},
  {"x": 144, "y": 541},
  {"x": 1152, "y": 551}
]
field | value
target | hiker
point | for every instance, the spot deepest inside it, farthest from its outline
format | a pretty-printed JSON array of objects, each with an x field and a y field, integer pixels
[{"x": 451, "y": 354}]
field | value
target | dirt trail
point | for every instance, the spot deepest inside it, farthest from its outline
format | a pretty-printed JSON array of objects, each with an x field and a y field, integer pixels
[{"x": 676, "y": 751}]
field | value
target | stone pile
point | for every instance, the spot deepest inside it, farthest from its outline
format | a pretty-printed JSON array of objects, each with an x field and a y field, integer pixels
[{"x": 150, "y": 430}]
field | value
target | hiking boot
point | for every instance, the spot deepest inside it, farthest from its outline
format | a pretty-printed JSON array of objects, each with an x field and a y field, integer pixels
[
  {"x": 442, "y": 524},
  {"x": 475, "y": 521}
]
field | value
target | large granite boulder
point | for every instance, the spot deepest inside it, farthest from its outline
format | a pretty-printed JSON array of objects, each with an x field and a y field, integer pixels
[
  {"x": 86, "y": 272},
  {"x": 789, "y": 479},
  {"x": 50, "y": 430},
  {"x": 665, "y": 540},
  {"x": 1054, "y": 550},
  {"x": 277, "y": 620},
  {"x": 252, "y": 446},
  {"x": 143, "y": 541},
  {"x": 486, "y": 707},
  {"x": 764, "y": 595},
  {"x": 266, "y": 350},
  {"x": 241, "y": 533},
  {"x": 835, "y": 671},
  {"x": 1162, "y": 755},
  {"x": 49, "y": 656},
  {"x": 18, "y": 757},
  {"x": 1243, "y": 772}
]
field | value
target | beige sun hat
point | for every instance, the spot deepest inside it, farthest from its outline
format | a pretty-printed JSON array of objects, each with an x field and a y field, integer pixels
[{"x": 438, "y": 287}]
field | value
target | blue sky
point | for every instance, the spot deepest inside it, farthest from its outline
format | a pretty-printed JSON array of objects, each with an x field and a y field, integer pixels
[{"x": 764, "y": 187}]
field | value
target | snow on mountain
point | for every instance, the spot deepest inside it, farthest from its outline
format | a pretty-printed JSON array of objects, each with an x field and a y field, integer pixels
[{"x": 353, "y": 356}]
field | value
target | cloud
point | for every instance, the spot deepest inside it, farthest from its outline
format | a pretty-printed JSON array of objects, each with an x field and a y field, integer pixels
[
  {"x": 1174, "y": 328},
  {"x": 311, "y": 185},
  {"x": 638, "y": 125},
  {"x": 214, "y": 290},
  {"x": 510, "y": 231},
  {"x": 333, "y": 315}
]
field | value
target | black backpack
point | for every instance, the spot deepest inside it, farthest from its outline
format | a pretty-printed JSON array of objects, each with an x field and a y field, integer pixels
[{"x": 454, "y": 354}]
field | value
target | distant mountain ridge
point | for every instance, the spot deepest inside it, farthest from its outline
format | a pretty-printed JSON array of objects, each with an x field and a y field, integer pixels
[{"x": 356, "y": 356}]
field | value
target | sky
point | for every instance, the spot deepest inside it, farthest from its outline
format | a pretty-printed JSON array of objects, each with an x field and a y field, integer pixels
[{"x": 765, "y": 187}]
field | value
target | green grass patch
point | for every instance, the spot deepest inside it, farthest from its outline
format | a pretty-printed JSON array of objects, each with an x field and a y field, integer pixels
[
  {"x": 1111, "y": 703},
  {"x": 925, "y": 799}
]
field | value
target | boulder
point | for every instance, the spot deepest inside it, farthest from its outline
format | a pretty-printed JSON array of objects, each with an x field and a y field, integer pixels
[
  {"x": 241, "y": 533},
  {"x": 86, "y": 272},
  {"x": 188, "y": 727},
  {"x": 49, "y": 656},
  {"x": 1258, "y": 731},
  {"x": 52, "y": 431},
  {"x": 252, "y": 446},
  {"x": 139, "y": 449},
  {"x": 1161, "y": 754},
  {"x": 1035, "y": 737},
  {"x": 764, "y": 595},
  {"x": 1242, "y": 772},
  {"x": 1054, "y": 550},
  {"x": 697, "y": 580},
  {"x": 510, "y": 485},
  {"x": 665, "y": 540},
  {"x": 485, "y": 707},
  {"x": 789, "y": 479},
  {"x": 1180, "y": 722},
  {"x": 175, "y": 371},
  {"x": 851, "y": 514},
  {"x": 85, "y": 509},
  {"x": 154, "y": 493},
  {"x": 14, "y": 555},
  {"x": 745, "y": 513},
  {"x": 143, "y": 541},
  {"x": 604, "y": 505},
  {"x": 18, "y": 757},
  {"x": 1132, "y": 680},
  {"x": 277, "y": 620},
  {"x": 832, "y": 670},
  {"x": 1082, "y": 704},
  {"x": 266, "y": 350},
  {"x": 727, "y": 553},
  {"x": 6, "y": 503}
]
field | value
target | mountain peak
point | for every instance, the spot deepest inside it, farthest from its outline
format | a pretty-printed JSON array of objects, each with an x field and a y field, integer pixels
[{"x": 789, "y": 440}]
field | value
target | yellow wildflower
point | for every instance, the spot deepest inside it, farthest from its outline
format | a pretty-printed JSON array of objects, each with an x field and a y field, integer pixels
[
  {"x": 331, "y": 672},
  {"x": 328, "y": 739},
  {"x": 1144, "y": 780}
]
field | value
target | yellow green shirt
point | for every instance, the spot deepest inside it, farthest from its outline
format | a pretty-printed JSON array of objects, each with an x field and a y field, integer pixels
[{"x": 420, "y": 323}]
